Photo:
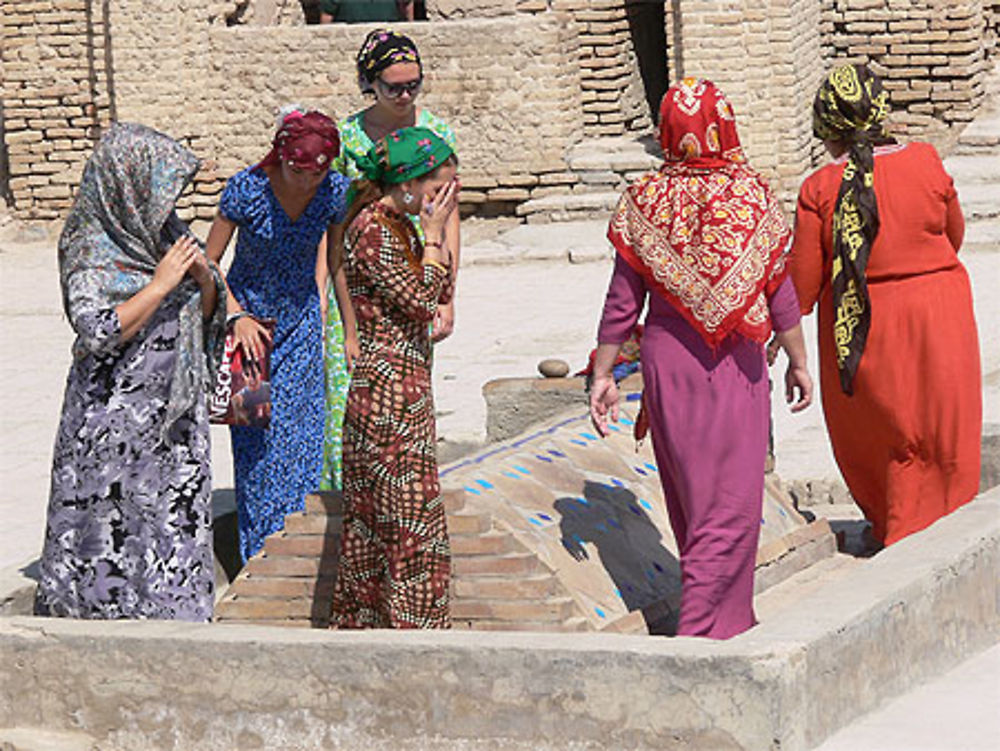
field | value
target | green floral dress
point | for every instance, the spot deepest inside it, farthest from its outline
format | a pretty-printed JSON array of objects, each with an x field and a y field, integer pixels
[{"x": 353, "y": 140}]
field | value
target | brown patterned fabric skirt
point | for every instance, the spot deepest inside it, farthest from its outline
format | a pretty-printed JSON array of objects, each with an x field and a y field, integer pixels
[{"x": 394, "y": 561}]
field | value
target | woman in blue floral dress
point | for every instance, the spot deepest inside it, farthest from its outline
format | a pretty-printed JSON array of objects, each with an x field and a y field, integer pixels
[
  {"x": 391, "y": 74},
  {"x": 282, "y": 208},
  {"x": 129, "y": 529}
]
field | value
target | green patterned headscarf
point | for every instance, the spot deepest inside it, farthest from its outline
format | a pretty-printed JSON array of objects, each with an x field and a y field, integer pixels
[
  {"x": 405, "y": 154},
  {"x": 851, "y": 106}
]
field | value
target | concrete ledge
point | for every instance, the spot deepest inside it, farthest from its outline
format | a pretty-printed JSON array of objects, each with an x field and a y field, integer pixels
[
  {"x": 516, "y": 405},
  {"x": 911, "y": 612}
]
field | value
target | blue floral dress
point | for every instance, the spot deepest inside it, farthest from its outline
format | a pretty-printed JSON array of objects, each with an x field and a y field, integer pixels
[{"x": 274, "y": 276}]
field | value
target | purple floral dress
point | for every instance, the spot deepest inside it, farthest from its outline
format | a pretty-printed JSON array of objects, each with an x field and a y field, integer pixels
[{"x": 129, "y": 530}]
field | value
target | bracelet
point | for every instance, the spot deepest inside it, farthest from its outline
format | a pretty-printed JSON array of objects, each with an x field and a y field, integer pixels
[
  {"x": 234, "y": 317},
  {"x": 439, "y": 266}
]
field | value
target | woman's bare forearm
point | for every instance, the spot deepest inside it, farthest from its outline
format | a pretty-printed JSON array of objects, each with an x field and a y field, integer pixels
[
  {"x": 209, "y": 297},
  {"x": 604, "y": 359},
  {"x": 347, "y": 317},
  {"x": 453, "y": 240},
  {"x": 794, "y": 344},
  {"x": 138, "y": 309}
]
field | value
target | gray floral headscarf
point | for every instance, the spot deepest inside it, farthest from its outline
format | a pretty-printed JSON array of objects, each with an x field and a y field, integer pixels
[{"x": 121, "y": 225}]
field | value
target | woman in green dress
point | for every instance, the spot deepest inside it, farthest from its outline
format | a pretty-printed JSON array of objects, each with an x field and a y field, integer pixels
[{"x": 389, "y": 71}]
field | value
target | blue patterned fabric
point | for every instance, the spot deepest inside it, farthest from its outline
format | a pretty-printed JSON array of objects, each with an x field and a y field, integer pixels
[{"x": 274, "y": 276}]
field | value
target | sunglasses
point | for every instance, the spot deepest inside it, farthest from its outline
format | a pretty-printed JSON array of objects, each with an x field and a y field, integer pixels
[{"x": 396, "y": 90}]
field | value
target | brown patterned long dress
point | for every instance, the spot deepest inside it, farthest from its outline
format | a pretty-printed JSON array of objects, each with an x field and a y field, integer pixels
[{"x": 394, "y": 559}]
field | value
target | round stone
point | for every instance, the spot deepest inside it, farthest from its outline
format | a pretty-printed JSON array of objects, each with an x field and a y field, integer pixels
[{"x": 552, "y": 368}]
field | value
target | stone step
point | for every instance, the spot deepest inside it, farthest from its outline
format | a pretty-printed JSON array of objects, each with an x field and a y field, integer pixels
[
  {"x": 982, "y": 236},
  {"x": 576, "y": 241},
  {"x": 984, "y": 147},
  {"x": 327, "y": 502},
  {"x": 575, "y": 624},
  {"x": 504, "y": 587},
  {"x": 302, "y": 523},
  {"x": 781, "y": 599},
  {"x": 305, "y": 567},
  {"x": 552, "y": 610},
  {"x": 979, "y": 202},
  {"x": 972, "y": 169},
  {"x": 982, "y": 135},
  {"x": 484, "y": 543},
  {"x": 469, "y": 524},
  {"x": 566, "y": 235},
  {"x": 38, "y": 739},
  {"x": 615, "y": 149},
  {"x": 303, "y": 545},
  {"x": 576, "y": 206},
  {"x": 238, "y": 608},
  {"x": 283, "y": 587},
  {"x": 284, "y": 623},
  {"x": 512, "y": 564},
  {"x": 454, "y": 500},
  {"x": 636, "y": 160},
  {"x": 630, "y": 623}
]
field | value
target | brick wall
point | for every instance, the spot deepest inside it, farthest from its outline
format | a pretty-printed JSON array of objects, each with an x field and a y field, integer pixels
[
  {"x": 55, "y": 96},
  {"x": 451, "y": 10},
  {"x": 932, "y": 55},
  {"x": 769, "y": 65},
  {"x": 269, "y": 12},
  {"x": 613, "y": 98},
  {"x": 217, "y": 86},
  {"x": 992, "y": 11},
  {"x": 522, "y": 81}
]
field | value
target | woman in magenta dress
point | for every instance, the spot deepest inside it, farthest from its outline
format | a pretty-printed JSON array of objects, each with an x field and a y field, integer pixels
[{"x": 705, "y": 239}]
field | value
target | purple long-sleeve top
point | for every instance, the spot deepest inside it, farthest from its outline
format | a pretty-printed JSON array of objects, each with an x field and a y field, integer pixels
[{"x": 627, "y": 294}]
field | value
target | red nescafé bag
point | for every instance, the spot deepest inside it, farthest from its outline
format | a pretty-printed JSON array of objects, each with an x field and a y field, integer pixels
[{"x": 242, "y": 393}]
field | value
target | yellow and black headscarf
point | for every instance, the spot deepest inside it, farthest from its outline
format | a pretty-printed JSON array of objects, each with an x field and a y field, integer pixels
[
  {"x": 851, "y": 106},
  {"x": 382, "y": 48}
]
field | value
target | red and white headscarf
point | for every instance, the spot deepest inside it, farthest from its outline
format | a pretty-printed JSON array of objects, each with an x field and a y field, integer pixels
[
  {"x": 697, "y": 125},
  {"x": 307, "y": 140},
  {"x": 705, "y": 231}
]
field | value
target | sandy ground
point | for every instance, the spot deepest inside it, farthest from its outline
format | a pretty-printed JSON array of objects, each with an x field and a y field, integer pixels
[{"x": 508, "y": 318}]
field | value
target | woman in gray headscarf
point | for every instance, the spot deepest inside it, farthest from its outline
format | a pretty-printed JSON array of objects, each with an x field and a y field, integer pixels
[{"x": 129, "y": 520}]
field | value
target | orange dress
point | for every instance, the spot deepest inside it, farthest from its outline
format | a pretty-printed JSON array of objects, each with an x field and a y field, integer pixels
[{"x": 908, "y": 441}]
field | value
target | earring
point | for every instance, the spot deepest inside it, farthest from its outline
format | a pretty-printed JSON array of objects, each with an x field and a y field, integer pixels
[{"x": 408, "y": 197}]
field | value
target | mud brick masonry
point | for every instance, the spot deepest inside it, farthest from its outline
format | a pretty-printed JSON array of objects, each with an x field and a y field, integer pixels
[{"x": 524, "y": 82}]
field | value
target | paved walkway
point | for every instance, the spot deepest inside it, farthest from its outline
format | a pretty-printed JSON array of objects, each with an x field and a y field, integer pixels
[{"x": 960, "y": 711}]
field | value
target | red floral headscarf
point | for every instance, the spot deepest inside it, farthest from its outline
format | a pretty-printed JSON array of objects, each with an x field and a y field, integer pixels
[
  {"x": 697, "y": 125},
  {"x": 307, "y": 140},
  {"x": 704, "y": 231}
]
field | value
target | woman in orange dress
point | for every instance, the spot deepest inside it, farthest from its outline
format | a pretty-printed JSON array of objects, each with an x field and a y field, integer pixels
[{"x": 876, "y": 242}]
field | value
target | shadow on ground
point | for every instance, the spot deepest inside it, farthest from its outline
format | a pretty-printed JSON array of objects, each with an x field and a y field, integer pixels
[{"x": 645, "y": 573}]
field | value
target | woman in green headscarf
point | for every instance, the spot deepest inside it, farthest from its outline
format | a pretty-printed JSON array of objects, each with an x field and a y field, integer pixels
[
  {"x": 876, "y": 242},
  {"x": 391, "y": 75},
  {"x": 394, "y": 560}
]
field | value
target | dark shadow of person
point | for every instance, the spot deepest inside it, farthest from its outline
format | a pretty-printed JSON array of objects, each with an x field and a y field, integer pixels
[
  {"x": 646, "y": 574},
  {"x": 647, "y": 29},
  {"x": 332, "y": 502},
  {"x": 225, "y": 533}
]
